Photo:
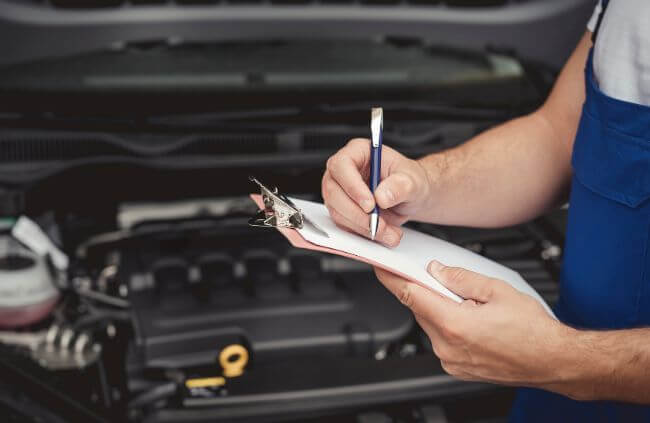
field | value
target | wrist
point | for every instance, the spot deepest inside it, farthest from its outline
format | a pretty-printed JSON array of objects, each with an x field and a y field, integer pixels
[
  {"x": 578, "y": 365},
  {"x": 434, "y": 168}
]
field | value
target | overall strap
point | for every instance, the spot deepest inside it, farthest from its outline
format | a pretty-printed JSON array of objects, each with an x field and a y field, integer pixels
[{"x": 603, "y": 8}]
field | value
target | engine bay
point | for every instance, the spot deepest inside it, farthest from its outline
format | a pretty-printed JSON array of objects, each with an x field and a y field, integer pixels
[{"x": 186, "y": 313}]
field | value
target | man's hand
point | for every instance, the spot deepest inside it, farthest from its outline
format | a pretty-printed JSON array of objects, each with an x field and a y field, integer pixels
[
  {"x": 402, "y": 193},
  {"x": 496, "y": 335}
]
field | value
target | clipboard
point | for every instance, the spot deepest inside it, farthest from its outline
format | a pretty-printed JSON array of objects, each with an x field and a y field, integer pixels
[{"x": 313, "y": 229}]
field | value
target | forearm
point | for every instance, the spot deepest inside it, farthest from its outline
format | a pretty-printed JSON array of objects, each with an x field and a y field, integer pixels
[
  {"x": 516, "y": 171},
  {"x": 604, "y": 365},
  {"x": 504, "y": 176}
]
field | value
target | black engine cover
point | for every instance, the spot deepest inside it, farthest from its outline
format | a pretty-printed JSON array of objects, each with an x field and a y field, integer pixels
[{"x": 193, "y": 297}]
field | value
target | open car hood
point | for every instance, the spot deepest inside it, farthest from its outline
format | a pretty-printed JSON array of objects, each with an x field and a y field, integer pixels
[{"x": 541, "y": 30}]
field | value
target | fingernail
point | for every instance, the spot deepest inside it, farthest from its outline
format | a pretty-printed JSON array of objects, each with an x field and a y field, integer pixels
[
  {"x": 433, "y": 267},
  {"x": 367, "y": 205}
]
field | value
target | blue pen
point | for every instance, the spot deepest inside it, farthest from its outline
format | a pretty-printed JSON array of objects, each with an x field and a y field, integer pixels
[{"x": 377, "y": 128}]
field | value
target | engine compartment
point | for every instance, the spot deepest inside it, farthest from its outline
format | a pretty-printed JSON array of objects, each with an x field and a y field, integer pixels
[{"x": 154, "y": 305}]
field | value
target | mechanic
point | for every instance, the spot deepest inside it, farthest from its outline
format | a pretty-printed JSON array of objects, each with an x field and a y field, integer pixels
[{"x": 593, "y": 135}]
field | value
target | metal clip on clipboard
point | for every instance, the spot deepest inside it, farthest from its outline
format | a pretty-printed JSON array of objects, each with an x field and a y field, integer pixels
[{"x": 280, "y": 212}]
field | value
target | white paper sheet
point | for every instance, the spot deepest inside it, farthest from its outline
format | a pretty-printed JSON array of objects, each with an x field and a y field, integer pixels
[{"x": 413, "y": 254}]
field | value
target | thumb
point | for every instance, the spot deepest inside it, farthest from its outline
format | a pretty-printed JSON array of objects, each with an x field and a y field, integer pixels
[
  {"x": 397, "y": 188},
  {"x": 465, "y": 283}
]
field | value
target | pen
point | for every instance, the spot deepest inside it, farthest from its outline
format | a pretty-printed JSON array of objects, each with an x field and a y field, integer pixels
[{"x": 377, "y": 128}]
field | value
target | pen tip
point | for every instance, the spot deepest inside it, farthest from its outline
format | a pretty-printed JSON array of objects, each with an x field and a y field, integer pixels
[{"x": 374, "y": 223}]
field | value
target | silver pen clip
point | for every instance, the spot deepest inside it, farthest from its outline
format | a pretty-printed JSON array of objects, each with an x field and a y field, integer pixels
[{"x": 280, "y": 212}]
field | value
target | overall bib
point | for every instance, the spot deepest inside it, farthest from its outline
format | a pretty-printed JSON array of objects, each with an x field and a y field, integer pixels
[{"x": 606, "y": 276}]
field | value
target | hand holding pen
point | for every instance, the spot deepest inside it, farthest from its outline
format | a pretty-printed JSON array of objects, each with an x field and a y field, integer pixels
[{"x": 402, "y": 192}]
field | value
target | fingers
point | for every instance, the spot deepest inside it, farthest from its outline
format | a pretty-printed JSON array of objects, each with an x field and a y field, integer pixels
[
  {"x": 447, "y": 354},
  {"x": 465, "y": 283},
  {"x": 393, "y": 219},
  {"x": 348, "y": 167},
  {"x": 397, "y": 188},
  {"x": 345, "y": 169},
  {"x": 348, "y": 197},
  {"x": 424, "y": 302},
  {"x": 349, "y": 215},
  {"x": 457, "y": 371},
  {"x": 429, "y": 329},
  {"x": 390, "y": 236}
]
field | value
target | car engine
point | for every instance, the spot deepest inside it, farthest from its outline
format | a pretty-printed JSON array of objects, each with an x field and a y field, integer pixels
[{"x": 153, "y": 317}]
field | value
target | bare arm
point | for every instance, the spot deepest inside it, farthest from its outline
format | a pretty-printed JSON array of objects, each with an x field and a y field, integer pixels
[
  {"x": 507, "y": 175},
  {"x": 606, "y": 365},
  {"x": 518, "y": 170},
  {"x": 531, "y": 349},
  {"x": 528, "y": 171},
  {"x": 503, "y": 176}
]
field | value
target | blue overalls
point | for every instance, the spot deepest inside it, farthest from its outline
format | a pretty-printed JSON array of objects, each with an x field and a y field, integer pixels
[{"x": 606, "y": 276}]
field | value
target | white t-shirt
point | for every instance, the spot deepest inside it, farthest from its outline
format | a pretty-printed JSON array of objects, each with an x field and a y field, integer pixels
[{"x": 622, "y": 50}]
